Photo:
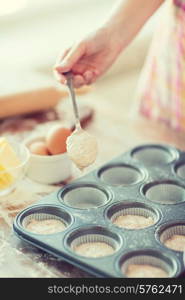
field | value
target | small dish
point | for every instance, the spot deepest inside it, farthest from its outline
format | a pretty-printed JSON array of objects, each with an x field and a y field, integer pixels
[{"x": 47, "y": 169}]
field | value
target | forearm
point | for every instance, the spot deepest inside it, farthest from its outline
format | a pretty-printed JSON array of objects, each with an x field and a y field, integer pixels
[{"x": 128, "y": 17}]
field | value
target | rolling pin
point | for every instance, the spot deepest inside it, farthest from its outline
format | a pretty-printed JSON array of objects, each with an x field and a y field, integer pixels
[{"x": 30, "y": 92}]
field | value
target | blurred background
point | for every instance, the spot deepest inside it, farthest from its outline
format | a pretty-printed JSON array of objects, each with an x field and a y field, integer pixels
[{"x": 34, "y": 32}]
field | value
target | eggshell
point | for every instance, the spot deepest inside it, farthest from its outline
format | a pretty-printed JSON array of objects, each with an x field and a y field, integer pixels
[
  {"x": 39, "y": 148},
  {"x": 56, "y": 139}
]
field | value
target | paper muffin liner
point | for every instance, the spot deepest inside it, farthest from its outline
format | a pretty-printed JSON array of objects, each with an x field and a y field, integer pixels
[
  {"x": 42, "y": 213},
  {"x": 153, "y": 155},
  {"x": 165, "y": 192},
  {"x": 94, "y": 238},
  {"x": 120, "y": 175},
  {"x": 170, "y": 231},
  {"x": 41, "y": 217},
  {"x": 148, "y": 260},
  {"x": 135, "y": 211}
]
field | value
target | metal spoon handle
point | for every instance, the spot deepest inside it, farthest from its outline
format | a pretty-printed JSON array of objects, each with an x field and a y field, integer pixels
[{"x": 69, "y": 77}]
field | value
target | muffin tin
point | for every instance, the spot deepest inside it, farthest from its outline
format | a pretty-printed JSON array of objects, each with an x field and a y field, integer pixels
[{"x": 147, "y": 181}]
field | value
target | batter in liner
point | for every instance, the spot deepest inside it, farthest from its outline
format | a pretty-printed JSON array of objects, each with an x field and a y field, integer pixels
[
  {"x": 45, "y": 226},
  {"x": 176, "y": 242},
  {"x": 94, "y": 249},
  {"x": 144, "y": 271},
  {"x": 133, "y": 221}
]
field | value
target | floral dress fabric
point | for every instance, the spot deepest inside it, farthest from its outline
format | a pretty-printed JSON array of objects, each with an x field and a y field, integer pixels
[{"x": 162, "y": 81}]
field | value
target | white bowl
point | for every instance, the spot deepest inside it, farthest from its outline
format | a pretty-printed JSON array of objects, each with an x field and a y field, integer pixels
[{"x": 47, "y": 169}]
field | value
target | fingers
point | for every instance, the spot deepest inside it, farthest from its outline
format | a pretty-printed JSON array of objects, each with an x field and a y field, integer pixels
[
  {"x": 66, "y": 62},
  {"x": 61, "y": 57},
  {"x": 88, "y": 75},
  {"x": 86, "y": 79},
  {"x": 71, "y": 60},
  {"x": 59, "y": 77},
  {"x": 72, "y": 56},
  {"x": 78, "y": 81}
]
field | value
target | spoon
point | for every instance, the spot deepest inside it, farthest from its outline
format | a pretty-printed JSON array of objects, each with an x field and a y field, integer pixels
[
  {"x": 81, "y": 146},
  {"x": 69, "y": 77}
]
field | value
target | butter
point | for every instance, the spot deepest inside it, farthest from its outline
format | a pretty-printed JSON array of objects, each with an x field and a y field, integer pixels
[
  {"x": 8, "y": 161},
  {"x": 6, "y": 179},
  {"x": 8, "y": 157}
]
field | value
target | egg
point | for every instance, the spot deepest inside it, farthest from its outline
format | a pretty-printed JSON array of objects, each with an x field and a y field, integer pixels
[
  {"x": 56, "y": 139},
  {"x": 39, "y": 148}
]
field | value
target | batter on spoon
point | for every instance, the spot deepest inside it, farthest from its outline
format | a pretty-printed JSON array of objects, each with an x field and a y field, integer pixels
[{"x": 82, "y": 148}]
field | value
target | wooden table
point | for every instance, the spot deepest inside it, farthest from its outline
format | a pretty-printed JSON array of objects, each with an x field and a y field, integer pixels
[{"x": 116, "y": 131}]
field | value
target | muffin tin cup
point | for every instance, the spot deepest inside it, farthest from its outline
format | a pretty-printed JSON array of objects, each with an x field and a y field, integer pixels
[
  {"x": 147, "y": 257},
  {"x": 42, "y": 213},
  {"x": 128, "y": 184},
  {"x": 125, "y": 208},
  {"x": 91, "y": 235},
  {"x": 164, "y": 192},
  {"x": 84, "y": 196},
  {"x": 154, "y": 155},
  {"x": 179, "y": 170},
  {"x": 121, "y": 174},
  {"x": 42, "y": 217},
  {"x": 167, "y": 231}
]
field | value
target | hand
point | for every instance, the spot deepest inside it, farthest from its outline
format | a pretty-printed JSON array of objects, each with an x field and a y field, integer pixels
[{"x": 90, "y": 58}]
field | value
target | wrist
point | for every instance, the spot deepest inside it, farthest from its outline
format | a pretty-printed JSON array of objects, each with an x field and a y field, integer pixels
[{"x": 114, "y": 32}]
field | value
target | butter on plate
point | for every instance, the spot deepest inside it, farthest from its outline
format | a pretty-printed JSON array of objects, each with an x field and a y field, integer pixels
[{"x": 8, "y": 162}]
